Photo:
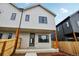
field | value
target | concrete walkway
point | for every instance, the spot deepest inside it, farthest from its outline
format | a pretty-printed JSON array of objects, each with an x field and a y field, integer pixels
[{"x": 31, "y": 54}]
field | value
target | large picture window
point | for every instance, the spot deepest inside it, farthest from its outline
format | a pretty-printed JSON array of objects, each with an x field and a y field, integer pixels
[{"x": 43, "y": 38}]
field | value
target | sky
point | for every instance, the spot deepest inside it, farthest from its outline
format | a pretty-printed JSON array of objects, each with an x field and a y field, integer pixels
[{"x": 62, "y": 10}]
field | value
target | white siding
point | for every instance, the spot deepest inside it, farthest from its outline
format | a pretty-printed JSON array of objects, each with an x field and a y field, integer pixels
[
  {"x": 5, "y": 15},
  {"x": 34, "y": 19},
  {"x": 24, "y": 40}
]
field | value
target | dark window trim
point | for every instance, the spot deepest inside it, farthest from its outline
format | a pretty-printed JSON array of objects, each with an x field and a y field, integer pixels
[
  {"x": 43, "y": 41},
  {"x": 9, "y": 37},
  {"x": 27, "y": 17},
  {"x": 1, "y": 35},
  {"x": 13, "y": 16},
  {"x": 43, "y": 20}
]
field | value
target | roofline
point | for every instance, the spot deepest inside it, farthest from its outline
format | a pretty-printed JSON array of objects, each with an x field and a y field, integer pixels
[
  {"x": 15, "y": 6},
  {"x": 67, "y": 17},
  {"x": 33, "y": 7},
  {"x": 63, "y": 21},
  {"x": 42, "y": 7}
]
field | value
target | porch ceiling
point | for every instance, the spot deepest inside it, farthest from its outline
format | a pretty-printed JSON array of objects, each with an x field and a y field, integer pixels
[
  {"x": 27, "y": 30},
  {"x": 7, "y": 29},
  {"x": 37, "y": 30}
]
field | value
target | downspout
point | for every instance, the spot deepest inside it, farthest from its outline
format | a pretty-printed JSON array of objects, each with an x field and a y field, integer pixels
[{"x": 17, "y": 33}]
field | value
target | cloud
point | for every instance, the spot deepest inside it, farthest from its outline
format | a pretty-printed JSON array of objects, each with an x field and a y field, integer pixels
[{"x": 63, "y": 10}]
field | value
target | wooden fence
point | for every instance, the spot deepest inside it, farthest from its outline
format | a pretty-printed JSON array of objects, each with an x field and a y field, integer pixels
[
  {"x": 70, "y": 47},
  {"x": 7, "y": 46}
]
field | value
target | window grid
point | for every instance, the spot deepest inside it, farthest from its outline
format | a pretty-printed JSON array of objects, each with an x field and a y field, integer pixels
[{"x": 13, "y": 16}]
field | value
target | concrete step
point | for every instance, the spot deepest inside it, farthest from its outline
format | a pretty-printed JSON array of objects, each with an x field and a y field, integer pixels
[
  {"x": 31, "y": 54},
  {"x": 36, "y": 50}
]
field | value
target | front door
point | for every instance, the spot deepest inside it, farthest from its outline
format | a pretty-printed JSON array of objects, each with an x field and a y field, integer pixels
[{"x": 32, "y": 39}]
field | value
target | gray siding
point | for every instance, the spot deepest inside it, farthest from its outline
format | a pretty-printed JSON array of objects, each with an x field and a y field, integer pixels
[
  {"x": 60, "y": 32},
  {"x": 74, "y": 19},
  {"x": 67, "y": 28}
]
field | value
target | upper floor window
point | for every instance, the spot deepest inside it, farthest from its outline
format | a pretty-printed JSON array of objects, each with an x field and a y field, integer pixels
[
  {"x": 9, "y": 35},
  {"x": 67, "y": 24},
  {"x": 42, "y": 19},
  {"x": 1, "y": 35},
  {"x": 78, "y": 23},
  {"x": 27, "y": 17},
  {"x": 0, "y": 12},
  {"x": 13, "y": 16}
]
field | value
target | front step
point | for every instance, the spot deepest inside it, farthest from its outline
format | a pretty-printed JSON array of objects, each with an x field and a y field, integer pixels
[
  {"x": 31, "y": 54},
  {"x": 36, "y": 50}
]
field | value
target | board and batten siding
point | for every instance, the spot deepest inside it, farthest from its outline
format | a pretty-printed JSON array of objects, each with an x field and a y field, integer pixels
[
  {"x": 6, "y": 13},
  {"x": 33, "y": 22},
  {"x": 60, "y": 33},
  {"x": 74, "y": 22},
  {"x": 67, "y": 27}
]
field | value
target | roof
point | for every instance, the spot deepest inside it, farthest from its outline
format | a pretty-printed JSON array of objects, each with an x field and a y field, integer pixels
[
  {"x": 63, "y": 21},
  {"x": 33, "y": 6},
  {"x": 67, "y": 18},
  {"x": 15, "y": 6}
]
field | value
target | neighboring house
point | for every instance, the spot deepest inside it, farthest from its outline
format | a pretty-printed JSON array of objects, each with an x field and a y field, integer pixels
[
  {"x": 69, "y": 27},
  {"x": 37, "y": 23}
]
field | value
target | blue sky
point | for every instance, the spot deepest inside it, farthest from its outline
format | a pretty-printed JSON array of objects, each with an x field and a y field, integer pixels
[{"x": 62, "y": 10}]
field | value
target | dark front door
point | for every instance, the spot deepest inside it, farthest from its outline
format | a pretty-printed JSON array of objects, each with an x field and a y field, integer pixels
[{"x": 32, "y": 39}]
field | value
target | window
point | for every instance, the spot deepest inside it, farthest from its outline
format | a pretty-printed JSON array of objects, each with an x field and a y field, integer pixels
[
  {"x": 1, "y": 35},
  {"x": 58, "y": 28},
  {"x": 0, "y": 12},
  {"x": 9, "y": 35},
  {"x": 42, "y": 19},
  {"x": 43, "y": 38},
  {"x": 67, "y": 24},
  {"x": 13, "y": 16},
  {"x": 27, "y": 18},
  {"x": 78, "y": 23}
]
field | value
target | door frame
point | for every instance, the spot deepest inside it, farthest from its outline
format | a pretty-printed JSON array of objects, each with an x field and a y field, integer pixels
[{"x": 32, "y": 43}]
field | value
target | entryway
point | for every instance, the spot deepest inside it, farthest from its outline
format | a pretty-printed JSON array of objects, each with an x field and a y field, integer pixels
[{"x": 32, "y": 40}]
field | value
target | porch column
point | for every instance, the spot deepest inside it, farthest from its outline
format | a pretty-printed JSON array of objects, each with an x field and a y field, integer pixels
[
  {"x": 56, "y": 40},
  {"x": 17, "y": 36},
  {"x": 74, "y": 36}
]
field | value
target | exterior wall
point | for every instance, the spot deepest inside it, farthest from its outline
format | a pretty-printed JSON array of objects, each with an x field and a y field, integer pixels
[
  {"x": 60, "y": 33},
  {"x": 74, "y": 19},
  {"x": 25, "y": 41},
  {"x": 67, "y": 30},
  {"x": 6, "y": 13},
  {"x": 34, "y": 19}
]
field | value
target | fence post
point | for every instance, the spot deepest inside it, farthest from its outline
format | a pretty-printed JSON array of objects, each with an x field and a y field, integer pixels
[
  {"x": 3, "y": 48},
  {"x": 56, "y": 40}
]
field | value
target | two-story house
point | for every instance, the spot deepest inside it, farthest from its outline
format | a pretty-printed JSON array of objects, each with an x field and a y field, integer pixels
[{"x": 36, "y": 25}]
